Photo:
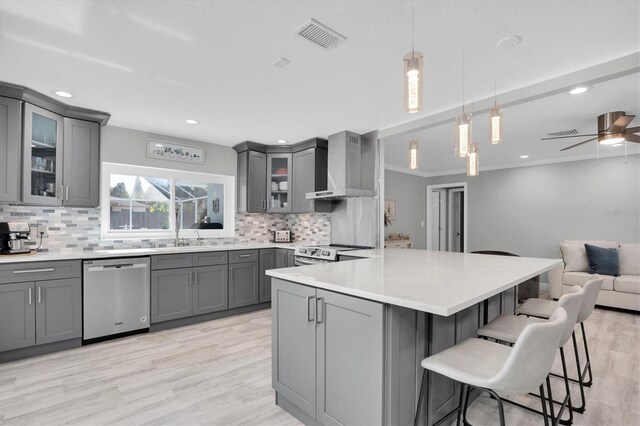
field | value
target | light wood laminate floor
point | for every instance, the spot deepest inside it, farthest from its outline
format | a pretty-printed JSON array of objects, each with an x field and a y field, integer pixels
[{"x": 219, "y": 373}]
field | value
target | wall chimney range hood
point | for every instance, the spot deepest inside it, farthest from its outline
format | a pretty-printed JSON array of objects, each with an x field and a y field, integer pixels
[{"x": 350, "y": 162}]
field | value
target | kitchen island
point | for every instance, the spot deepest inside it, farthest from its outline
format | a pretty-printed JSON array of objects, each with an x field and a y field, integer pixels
[{"x": 348, "y": 337}]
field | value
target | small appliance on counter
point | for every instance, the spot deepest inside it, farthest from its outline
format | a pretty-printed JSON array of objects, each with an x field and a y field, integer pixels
[
  {"x": 283, "y": 236},
  {"x": 12, "y": 235}
]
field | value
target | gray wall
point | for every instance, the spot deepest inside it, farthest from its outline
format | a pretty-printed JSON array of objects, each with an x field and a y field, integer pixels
[
  {"x": 530, "y": 210},
  {"x": 409, "y": 192},
  {"x": 127, "y": 146}
]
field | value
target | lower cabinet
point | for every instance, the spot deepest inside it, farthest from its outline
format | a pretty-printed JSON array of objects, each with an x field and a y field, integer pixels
[
  {"x": 267, "y": 261},
  {"x": 326, "y": 349},
  {"x": 284, "y": 258},
  {"x": 244, "y": 280},
  {"x": 184, "y": 292},
  {"x": 36, "y": 313}
]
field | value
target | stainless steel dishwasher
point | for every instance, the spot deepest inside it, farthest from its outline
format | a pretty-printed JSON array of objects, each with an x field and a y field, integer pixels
[{"x": 116, "y": 295}]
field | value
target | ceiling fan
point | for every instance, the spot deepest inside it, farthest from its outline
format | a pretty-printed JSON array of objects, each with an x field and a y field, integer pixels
[{"x": 612, "y": 129}]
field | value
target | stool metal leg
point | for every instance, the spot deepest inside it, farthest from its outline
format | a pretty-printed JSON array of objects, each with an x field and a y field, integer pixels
[
  {"x": 544, "y": 406},
  {"x": 589, "y": 382},
  {"x": 463, "y": 402},
  {"x": 500, "y": 406},
  {"x": 582, "y": 407},
  {"x": 567, "y": 399},
  {"x": 420, "y": 398},
  {"x": 550, "y": 398}
]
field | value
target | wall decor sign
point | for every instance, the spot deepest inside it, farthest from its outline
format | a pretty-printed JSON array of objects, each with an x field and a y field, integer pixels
[
  {"x": 390, "y": 209},
  {"x": 172, "y": 151}
]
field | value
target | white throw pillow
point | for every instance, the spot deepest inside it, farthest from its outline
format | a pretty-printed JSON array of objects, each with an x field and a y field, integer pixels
[
  {"x": 629, "y": 259},
  {"x": 575, "y": 255},
  {"x": 575, "y": 258}
]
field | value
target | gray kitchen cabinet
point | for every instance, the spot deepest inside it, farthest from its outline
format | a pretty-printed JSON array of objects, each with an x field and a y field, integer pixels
[
  {"x": 17, "y": 316},
  {"x": 42, "y": 157},
  {"x": 309, "y": 175},
  {"x": 267, "y": 261},
  {"x": 349, "y": 347},
  {"x": 279, "y": 183},
  {"x": 290, "y": 258},
  {"x": 252, "y": 182},
  {"x": 10, "y": 131},
  {"x": 58, "y": 310},
  {"x": 327, "y": 353},
  {"x": 244, "y": 281},
  {"x": 171, "y": 294},
  {"x": 210, "y": 289},
  {"x": 81, "y": 176},
  {"x": 282, "y": 258}
]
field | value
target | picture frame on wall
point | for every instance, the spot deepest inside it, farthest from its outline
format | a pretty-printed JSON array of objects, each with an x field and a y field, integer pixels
[
  {"x": 390, "y": 209},
  {"x": 174, "y": 152}
]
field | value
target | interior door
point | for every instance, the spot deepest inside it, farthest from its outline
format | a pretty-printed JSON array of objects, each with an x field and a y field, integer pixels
[
  {"x": 439, "y": 219},
  {"x": 456, "y": 220}
]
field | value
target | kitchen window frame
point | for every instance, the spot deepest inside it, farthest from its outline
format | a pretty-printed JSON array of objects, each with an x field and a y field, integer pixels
[{"x": 107, "y": 169}]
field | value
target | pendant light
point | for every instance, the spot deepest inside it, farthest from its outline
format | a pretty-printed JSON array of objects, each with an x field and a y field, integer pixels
[
  {"x": 413, "y": 77},
  {"x": 473, "y": 163},
  {"x": 463, "y": 126},
  {"x": 495, "y": 120},
  {"x": 413, "y": 154}
]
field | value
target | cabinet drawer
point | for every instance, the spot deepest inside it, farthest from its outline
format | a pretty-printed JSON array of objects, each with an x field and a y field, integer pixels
[
  {"x": 244, "y": 256},
  {"x": 210, "y": 258},
  {"x": 39, "y": 271},
  {"x": 169, "y": 261}
]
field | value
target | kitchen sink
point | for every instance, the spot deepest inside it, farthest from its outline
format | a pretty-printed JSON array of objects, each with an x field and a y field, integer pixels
[{"x": 126, "y": 251}]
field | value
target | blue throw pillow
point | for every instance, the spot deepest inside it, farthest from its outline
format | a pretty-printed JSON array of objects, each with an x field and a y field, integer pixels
[{"x": 603, "y": 261}]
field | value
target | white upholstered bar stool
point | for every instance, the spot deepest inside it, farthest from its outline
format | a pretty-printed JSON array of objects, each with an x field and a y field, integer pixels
[
  {"x": 492, "y": 367},
  {"x": 508, "y": 329},
  {"x": 541, "y": 307}
]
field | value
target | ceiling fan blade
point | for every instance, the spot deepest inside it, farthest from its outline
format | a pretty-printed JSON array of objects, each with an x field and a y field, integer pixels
[
  {"x": 572, "y": 136},
  {"x": 633, "y": 130},
  {"x": 621, "y": 123},
  {"x": 578, "y": 144},
  {"x": 632, "y": 138}
]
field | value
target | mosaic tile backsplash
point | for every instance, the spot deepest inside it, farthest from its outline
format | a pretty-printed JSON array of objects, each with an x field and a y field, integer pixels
[{"x": 71, "y": 229}]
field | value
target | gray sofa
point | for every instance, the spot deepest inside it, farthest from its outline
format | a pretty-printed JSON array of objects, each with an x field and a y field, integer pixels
[{"x": 618, "y": 292}]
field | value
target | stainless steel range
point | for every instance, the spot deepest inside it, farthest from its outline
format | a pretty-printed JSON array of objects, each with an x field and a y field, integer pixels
[{"x": 314, "y": 255}]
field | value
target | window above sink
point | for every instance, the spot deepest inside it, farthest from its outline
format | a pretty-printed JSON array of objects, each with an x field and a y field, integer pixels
[{"x": 147, "y": 202}]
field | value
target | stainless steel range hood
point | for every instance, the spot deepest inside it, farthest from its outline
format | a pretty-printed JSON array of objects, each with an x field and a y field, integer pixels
[{"x": 351, "y": 164}]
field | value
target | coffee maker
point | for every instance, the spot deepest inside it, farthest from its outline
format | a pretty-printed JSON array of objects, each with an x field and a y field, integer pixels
[{"x": 11, "y": 236}]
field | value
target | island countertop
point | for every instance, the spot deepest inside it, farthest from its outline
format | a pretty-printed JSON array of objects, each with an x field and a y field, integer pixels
[{"x": 440, "y": 283}]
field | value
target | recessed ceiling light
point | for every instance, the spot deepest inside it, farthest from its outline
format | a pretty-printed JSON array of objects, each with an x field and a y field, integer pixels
[
  {"x": 509, "y": 42},
  {"x": 63, "y": 94},
  {"x": 281, "y": 141},
  {"x": 617, "y": 144},
  {"x": 191, "y": 121},
  {"x": 579, "y": 89},
  {"x": 281, "y": 63},
  {"x": 524, "y": 156}
]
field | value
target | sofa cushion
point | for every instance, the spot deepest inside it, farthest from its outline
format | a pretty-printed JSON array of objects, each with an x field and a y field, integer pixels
[
  {"x": 627, "y": 284},
  {"x": 629, "y": 259},
  {"x": 579, "y": 278},
  {"x": 604, "y": 261},
  {"x": 575, "y": 255}
]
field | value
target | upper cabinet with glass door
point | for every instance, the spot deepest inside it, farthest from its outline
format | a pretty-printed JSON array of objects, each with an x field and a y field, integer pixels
[
  {"x": 279, "y": 183},
  {"x": 42, "y": 160}
]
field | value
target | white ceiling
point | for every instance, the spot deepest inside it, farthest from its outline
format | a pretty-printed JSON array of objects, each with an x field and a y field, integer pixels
[{"x": 152, "y": 64}]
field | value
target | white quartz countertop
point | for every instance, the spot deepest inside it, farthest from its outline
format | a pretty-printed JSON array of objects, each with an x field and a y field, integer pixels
[
  {"x": 440, "y": 283},
  {"x": 101, "y": 254}
]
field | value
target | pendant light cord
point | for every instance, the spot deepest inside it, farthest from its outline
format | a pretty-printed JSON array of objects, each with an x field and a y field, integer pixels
[
  {"x": 413, "y": 31},
  {"x": 463, "y": 82},
  {"x": 495, "y": 93}
]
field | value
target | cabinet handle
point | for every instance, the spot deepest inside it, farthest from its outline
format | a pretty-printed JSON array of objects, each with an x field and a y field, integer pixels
[
  {"x": 310, "y": 312},
  {"x": 59, "y": 193},
  {"x": 195, "y": 278},
  {"x": 66, "y": 192},
  {"x": 244, "y": 255},
  {"x": 188, "y": 278},
  {"x": 319, "y": 310},
  {"x": 231, "y": 273},
  {"x": 264, "y": 204},
  {"x": 29, "y": 271},
  {"x": 29, "y": 295},
  {"x": 39, "y": 294}
]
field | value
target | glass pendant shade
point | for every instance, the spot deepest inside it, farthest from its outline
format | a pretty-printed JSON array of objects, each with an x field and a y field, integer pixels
[
  {"x": 413, "y": 155},
  {"x": 413, "y": 81},
  {"x": 495, "y": 125},
  {"x": 463, "y": 134},
  {"x": 611, "y": 138},
  {"x": 473, "y": 163}
]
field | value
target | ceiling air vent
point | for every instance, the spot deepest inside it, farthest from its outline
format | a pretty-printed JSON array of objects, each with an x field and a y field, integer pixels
[
  {"x": 565, "y": 133},
  {"x": 320, "y": 35}
]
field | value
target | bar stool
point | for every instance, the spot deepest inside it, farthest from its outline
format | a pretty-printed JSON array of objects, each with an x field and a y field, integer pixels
[
  {"x": 541, "y": 307},
  {"x": 508, "y": 329},
  {"x": 492, "y": 367}
]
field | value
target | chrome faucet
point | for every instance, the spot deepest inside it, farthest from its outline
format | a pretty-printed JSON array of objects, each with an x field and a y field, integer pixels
[
  {"x": 199, "y": 239},
  {"x": 177, "y": 224}
]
